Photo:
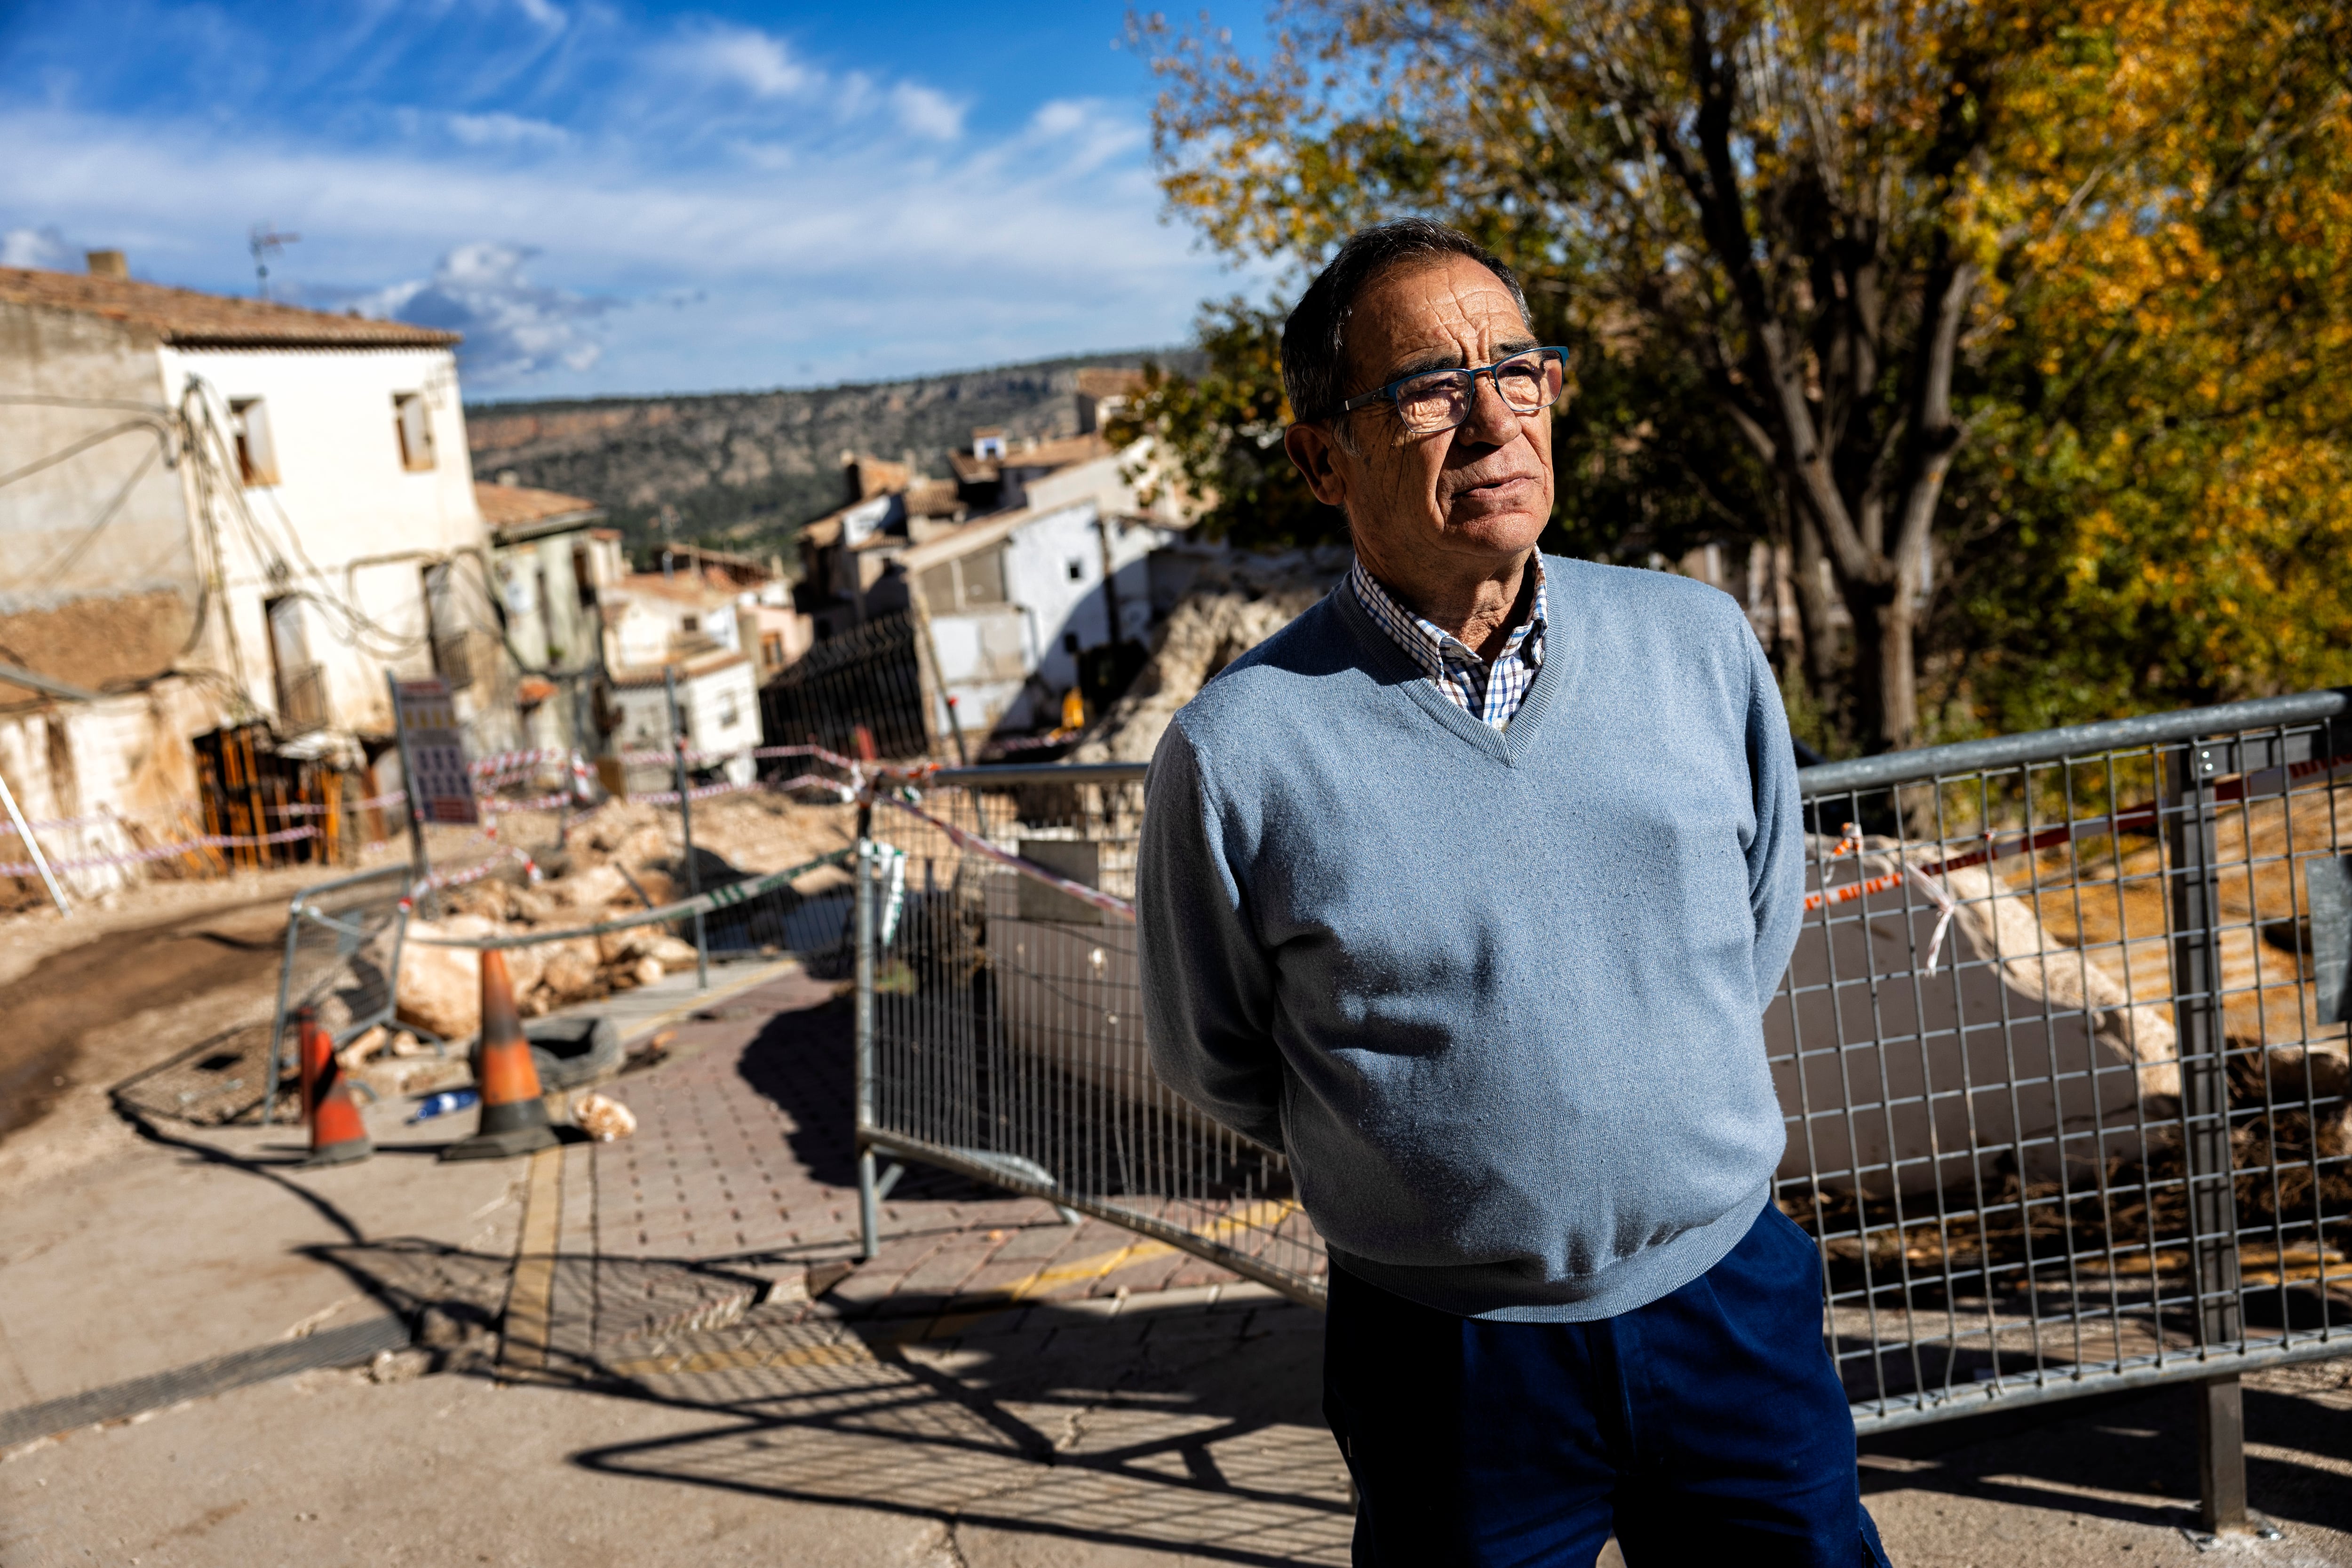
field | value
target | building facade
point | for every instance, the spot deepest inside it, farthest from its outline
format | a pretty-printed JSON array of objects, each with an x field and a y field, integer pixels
[{"x": 223, "y": 512}]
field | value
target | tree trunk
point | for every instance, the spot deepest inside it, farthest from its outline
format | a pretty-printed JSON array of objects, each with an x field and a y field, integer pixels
[
  {"x": 1814, "y": 606},
  {"x": 1886, "y": 682}
]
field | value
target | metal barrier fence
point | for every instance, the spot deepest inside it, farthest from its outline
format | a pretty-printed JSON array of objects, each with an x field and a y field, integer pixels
[
  {"x": 342, "y": 957},
  {"x": 2062, "y": 1052},
  {"x": 869, "y": 677},
  {"x": 1000, "y": 1029}
]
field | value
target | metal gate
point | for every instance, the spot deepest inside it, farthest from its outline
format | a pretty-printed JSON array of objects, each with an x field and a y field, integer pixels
[{"x": 2062, "y": 1051}]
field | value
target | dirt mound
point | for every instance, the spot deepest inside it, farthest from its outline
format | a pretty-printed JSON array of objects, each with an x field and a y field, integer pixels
[{"x": 1235, "y": 604}]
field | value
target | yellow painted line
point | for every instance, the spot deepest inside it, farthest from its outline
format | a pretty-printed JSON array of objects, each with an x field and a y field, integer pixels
[
  {"x": 530, "y": 1298},
  {"x": 1002, "y": 1300}
]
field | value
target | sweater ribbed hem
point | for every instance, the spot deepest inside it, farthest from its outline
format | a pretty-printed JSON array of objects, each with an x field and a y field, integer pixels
[{"x": 1501, "y": 1295}]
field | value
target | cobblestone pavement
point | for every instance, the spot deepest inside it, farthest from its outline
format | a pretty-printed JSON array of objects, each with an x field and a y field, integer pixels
[
  {"x": 994, "y": 1366},
  {"x": 743, "y": 1175}
]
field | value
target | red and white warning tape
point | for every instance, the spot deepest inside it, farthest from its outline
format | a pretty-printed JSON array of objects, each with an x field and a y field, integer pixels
[
  {"x": 473, "y": 873},
  {"x": 974, "y": 843},
  {"x": 162, "y": 851}
]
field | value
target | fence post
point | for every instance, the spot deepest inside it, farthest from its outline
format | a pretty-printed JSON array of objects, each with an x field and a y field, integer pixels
[
  {"x": 2194, "y": 848},
  {"x": 685, "y": 824},
  {"x": 285, "y": 997},
  {"x": 869, "y": 1200}
]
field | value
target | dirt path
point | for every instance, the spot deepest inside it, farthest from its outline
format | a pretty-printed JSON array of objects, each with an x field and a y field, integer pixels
[{"x": 55, "y": 1033}]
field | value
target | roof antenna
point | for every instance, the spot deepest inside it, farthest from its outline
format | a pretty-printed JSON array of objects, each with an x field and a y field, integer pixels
[{"x": 266, "y": 242}]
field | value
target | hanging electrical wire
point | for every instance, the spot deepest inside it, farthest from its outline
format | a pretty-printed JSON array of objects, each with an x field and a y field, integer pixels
[{"x": 212, "y": 449}]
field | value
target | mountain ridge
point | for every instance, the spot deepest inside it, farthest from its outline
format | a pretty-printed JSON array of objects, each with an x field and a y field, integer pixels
[{"x": 745, "y": 470}]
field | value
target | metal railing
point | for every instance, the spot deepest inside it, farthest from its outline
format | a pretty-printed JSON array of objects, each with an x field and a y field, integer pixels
[
  {"x": 999, "y": 1028},
  {"x": 342, "y": 957},
  {"x": 2062, "y": 1052}
]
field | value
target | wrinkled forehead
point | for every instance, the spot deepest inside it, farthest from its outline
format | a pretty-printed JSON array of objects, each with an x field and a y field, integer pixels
[{"x": 1429, "y": 312}]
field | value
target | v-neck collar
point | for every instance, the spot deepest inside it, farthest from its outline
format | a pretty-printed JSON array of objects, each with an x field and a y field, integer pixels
[{"x": 1563, "y": 651}]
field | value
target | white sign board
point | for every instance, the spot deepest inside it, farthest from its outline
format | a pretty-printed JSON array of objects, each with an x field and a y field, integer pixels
[{"x": 442, "y": 786}]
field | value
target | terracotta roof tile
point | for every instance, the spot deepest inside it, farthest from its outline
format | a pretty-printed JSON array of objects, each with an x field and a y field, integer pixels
[
  {"x": 503, "y": 506},
  {"x": 187, "y": 318}
]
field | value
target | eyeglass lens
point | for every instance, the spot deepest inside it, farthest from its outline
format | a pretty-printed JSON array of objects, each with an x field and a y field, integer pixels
[{"x": 1441, "y": 399}]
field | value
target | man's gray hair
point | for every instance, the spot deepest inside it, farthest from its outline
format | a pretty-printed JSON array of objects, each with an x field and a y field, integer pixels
[{"x": 1314, "y": 340}]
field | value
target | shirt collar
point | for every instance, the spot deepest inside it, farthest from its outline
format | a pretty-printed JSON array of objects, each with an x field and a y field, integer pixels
[{"x": 1431, "y": 646}]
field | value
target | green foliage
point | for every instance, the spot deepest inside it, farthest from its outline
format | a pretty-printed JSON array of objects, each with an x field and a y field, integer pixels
[{"x": 2064, "y": 293}]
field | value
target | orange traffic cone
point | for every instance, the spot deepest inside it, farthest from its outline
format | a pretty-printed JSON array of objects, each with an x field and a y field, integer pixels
[
  {"x": 338, "y": 1137},
  {"x": 514, "y": 1119}
]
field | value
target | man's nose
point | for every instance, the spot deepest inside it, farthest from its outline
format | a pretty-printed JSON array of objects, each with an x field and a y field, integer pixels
[{"x": 1491, "y": 421}]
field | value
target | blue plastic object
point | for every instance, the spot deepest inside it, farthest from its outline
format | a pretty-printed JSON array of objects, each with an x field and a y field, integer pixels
[{"x": 442, "y": 1104}]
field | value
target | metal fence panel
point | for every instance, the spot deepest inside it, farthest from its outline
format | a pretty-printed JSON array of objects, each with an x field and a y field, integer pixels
[
  {"x": 342, "y": 956},
  {"x": 2064, "y": 1076},
  {"x": 868, "y": 679},
  {"x": 2061, "y": 1054},
  {"x": 1001, "y": 1027}
]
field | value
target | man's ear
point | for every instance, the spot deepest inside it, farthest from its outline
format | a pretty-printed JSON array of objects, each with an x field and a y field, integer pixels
[{"x": 1313, "y": 453}]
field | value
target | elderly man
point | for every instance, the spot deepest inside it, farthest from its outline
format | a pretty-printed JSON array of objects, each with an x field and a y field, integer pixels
[{"x": 1468, "y": 890}]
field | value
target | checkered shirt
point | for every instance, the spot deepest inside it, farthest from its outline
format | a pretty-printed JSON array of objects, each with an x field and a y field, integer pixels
[{"x": 1490, "y": 693}]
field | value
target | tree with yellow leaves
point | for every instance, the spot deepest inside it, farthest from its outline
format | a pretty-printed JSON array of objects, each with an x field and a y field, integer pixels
[{"x": 1904, "y": 261}]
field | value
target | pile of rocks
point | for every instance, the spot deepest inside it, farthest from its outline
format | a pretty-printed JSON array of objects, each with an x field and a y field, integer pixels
[
  {"x": 1235, "y": 602},
  {"x": 617, "y": 866}
]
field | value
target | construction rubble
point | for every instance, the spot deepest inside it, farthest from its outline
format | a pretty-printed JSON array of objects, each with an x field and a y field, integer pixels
[
  {"x": 1234, "y": 604},
  {"x": 619, "y": 860}
]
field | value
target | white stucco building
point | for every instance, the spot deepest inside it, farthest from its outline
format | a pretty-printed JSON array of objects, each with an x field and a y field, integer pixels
[
  {"x": 223, "y": 511},
  {"x": 1031, "y": 563}
]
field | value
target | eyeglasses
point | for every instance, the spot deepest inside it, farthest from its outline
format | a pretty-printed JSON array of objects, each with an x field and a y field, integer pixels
[{"x": 1436, "y": 400}]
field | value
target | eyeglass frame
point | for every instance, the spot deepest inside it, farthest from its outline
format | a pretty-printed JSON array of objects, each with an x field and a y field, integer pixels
[{"x": 1389, "y": 392}]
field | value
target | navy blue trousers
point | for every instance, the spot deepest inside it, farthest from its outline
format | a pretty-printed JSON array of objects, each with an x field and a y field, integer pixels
[{"x": 1707, "y": 1427}]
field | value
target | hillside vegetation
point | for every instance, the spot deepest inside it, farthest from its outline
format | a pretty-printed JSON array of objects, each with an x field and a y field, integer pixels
[{"x": 745, "y": 470}]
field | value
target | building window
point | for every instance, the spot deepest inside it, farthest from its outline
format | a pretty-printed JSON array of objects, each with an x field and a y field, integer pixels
[
  {"x": 1077, "y": 568},
  {"x": 412, "y": 422},
  {"x": 256, "y": 455},
  {"x": 727, "y": 714},
  {"x": 690, "y": 623},
  {"x": 1069, "y": 642}
]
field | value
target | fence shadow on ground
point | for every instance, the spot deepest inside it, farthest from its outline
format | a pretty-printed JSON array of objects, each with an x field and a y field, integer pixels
[
  {"x": 1184, "y": 1429},
  {"x": 2130, "y": 1457},
  {"x": 1177, "y": 1430}
]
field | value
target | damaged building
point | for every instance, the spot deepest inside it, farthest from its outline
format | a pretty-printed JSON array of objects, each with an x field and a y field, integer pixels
[{"x": 222, "y": 511}]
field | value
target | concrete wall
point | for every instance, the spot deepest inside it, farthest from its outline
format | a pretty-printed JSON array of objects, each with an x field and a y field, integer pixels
[
  {"x": 106, "y": 523},
  {"x": 123, "y": 764}
]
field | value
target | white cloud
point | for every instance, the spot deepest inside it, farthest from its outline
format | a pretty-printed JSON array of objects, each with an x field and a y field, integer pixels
[
  {"x": 923, "y": 111},
  {"x": 1060, "y": 116},
  {"x": 544, "y": 15},
  {"x": 806, "y": 221},
  {"x": 501, "y": 130},
  {"x": 44, "y": 248},
  {"x": 745, "y": 58},
  {"x": 514, "y": 329}
]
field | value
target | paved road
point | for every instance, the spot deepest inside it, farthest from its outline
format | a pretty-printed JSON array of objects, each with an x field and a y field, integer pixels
[{"x": 998, "y": 1388}]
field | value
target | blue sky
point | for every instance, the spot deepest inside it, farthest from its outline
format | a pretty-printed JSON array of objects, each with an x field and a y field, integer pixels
[{"x": 619, "y": 198}]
